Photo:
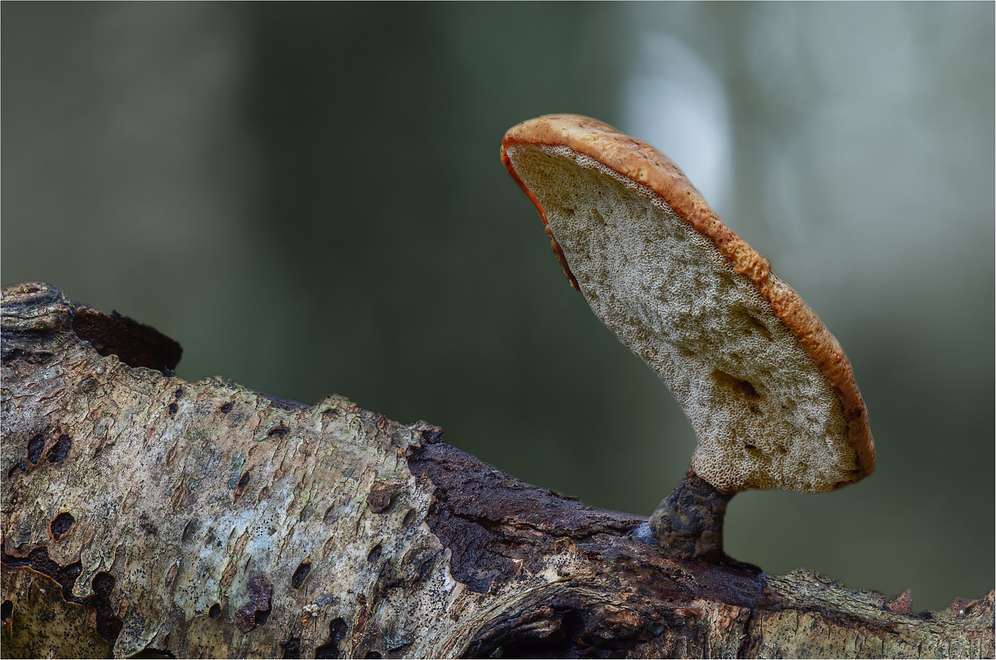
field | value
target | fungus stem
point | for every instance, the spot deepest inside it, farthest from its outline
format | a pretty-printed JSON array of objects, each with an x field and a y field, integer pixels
[{"x": 689, "y": 521}]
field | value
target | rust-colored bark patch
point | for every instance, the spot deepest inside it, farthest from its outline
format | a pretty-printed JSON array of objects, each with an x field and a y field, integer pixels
[
  {"x": 903, "y": 603},
  {"x": 381, "y": 495},
  {"x": 257, "y": 610}
]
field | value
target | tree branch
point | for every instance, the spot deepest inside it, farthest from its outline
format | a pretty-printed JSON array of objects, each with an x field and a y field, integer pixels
[{"x": 145, "y": 513}]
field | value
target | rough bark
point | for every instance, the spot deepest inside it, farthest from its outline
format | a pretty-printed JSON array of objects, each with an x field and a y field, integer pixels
[{"x": 142, "y": 513}]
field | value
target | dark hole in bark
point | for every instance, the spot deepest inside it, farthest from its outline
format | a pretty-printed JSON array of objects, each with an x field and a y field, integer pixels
[
  {"x": 177, "y": 394},
  {"x": 279, "y": 431},
  {"x": 103, "y": 584},
  {"x": 408, "y": 517},
  {"x": 189, "y": 530},
  {"x": 60, "y": 450},
  {"x": 375, "y": 553},
  {"x": 561, "y": 639},
  {"x": 61, "y": 524},
  {"x": 244, "y": 480},
  {"x": 226, "y": 408},
  {"x": 36, "y": 446},
  {"x": 426, "y": 566},
  {"x": 290, "y": 648},
  {"x": 108, "y": 625},
  {"x": 215, "y": 611},
  {"x": 173, "y": 408},
  {"x": 300, "y": 574},
  {"x": 337, "y": 633},
  {"x": 7, "y": 611},
  {"x": 20, "y": 466},
  {"x": 262, "y": 616},
  {"x": 6, "y": 357},
  {"x": 67, "y": 579}
]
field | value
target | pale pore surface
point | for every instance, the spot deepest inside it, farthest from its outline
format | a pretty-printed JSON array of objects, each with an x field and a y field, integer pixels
[{"x": 764, "y": 414}]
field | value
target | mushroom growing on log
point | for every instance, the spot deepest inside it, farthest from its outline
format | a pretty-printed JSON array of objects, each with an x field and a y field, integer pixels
[{"x": 768, "y": 390}]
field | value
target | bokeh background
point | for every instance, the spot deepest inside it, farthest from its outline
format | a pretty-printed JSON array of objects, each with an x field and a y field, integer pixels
[{"x": 309, "y": 198}]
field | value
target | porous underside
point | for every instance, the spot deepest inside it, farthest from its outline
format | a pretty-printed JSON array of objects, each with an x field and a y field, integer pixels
[{"x": 764, "y": 414}]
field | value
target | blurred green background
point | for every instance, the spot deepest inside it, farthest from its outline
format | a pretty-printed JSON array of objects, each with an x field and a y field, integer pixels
[{"x": 309, "y": 199}]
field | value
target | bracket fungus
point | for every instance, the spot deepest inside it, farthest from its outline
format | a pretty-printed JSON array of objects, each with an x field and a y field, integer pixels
[{"x": 768, "y": 390}]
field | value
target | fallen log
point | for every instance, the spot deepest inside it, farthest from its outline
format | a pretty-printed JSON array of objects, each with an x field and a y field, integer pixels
[{"x": 145, "y": 514}]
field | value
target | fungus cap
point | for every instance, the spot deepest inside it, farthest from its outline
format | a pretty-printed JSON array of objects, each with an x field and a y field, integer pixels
[{"x": 768, "y": 390}]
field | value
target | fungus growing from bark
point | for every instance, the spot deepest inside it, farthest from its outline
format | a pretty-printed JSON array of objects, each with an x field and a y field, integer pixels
[{"x": 768, "y": 390}]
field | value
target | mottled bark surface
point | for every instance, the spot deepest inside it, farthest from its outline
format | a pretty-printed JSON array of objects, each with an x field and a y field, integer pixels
[{"x": 145, "y": 513}]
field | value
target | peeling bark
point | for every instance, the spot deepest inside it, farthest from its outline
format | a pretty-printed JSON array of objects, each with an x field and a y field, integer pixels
[{"x": 145, "y": 513}]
